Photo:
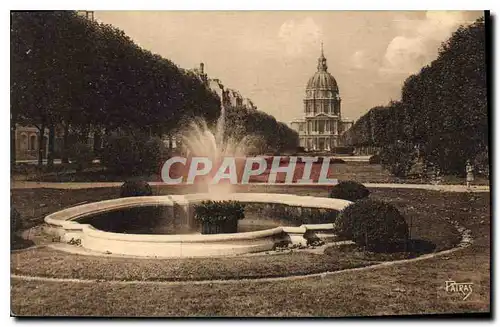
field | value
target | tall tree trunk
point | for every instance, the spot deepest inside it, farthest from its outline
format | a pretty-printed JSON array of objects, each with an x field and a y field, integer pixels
[
  {"x": 50, "y": 153},
  {"x": 84, "y": 134},
  {"x": 64, "y": 148},
  {"x": 96, "y": 146},
  {"x": 41, "y": 133},
  {"x": 12, "y": 143}
]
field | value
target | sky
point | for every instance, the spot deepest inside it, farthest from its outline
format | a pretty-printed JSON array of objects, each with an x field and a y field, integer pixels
[{"x": 268, "y": 56}]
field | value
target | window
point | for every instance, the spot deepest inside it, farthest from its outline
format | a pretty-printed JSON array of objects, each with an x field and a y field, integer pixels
[
  {"x": 321, "y": 127},
  {"x": 32, "y": 144}
]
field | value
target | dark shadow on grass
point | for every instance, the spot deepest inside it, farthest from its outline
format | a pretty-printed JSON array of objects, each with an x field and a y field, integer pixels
[
  {"x": 389, "y": 252},
  {"x": 19, "y": 243},
  {"x": 414, "y": 246}
]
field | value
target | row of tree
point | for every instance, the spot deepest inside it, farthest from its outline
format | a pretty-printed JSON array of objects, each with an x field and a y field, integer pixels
[
  {"x": 267, "y": 134},
  {"x": 71, "y": 71},
  {"x": 443, "y": 111},
  {"x": 75, "y": 74}
]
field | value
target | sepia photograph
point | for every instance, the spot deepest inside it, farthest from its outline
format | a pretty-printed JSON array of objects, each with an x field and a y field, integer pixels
[{"x": 250, "y": 163}]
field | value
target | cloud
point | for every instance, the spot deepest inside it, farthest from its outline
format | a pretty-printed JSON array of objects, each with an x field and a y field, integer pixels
[
  {"x": 363, "y": 60},
  {"x": 298, "y": 36},
  {"x": 358, "y": 59},
  {"x": 418, "y": 41}
]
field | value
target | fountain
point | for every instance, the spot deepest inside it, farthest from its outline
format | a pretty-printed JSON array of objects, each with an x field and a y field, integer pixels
[{"x": 78, "y": 223}]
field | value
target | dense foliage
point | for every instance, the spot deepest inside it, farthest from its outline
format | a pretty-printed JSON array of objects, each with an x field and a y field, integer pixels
[
  {"x": 81, "y": 154},
  {"x": 263, "y": 132},
  {"x": 135, "y": 188},
  {"x": 398, "y": 158},
  {"x": 443, "y": 109},
  {"x": 375, "y": 225},
  {"x": 134, "y": 155},
  {"x": 349, "y": 190},
  {"x": 71, "y": 70},
  {"x": 76, "y": 75}
]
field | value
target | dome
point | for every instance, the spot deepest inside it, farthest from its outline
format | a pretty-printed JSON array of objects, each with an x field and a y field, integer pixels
[{"x": 322, "y": 79}]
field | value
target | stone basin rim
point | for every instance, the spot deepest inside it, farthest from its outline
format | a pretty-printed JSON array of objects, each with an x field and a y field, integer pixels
[{"x": 66, "y": 221}]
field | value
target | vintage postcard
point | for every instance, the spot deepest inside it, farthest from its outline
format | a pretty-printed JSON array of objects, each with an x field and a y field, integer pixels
[{"x": 250, "y": 163}]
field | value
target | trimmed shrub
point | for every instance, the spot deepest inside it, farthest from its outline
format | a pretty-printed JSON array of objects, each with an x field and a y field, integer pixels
[
  {"x": 349, "y": 190},
  {"x": 375, "y": 225},
  {"x": 219, "y": 216},
  {"x": 374, "y": 160},
  {"x": 135, "y": 188},
  {"x": 15, "y": 220},
  {"x": 82, "y": 155}
]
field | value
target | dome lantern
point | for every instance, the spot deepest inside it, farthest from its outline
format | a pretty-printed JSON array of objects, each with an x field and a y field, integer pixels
[{"x": 322, "y": 66}]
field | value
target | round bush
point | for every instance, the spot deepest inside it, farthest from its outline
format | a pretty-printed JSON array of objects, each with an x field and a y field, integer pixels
[
  {"x": 376, "y": 225},
  {"x": 374, "y": 160},
  {"x": 135, "y": 188},
  {"x": 349, "y": 190}
]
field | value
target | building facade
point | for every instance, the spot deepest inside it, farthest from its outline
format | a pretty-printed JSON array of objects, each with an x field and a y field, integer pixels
[{"x": 322, "y": 125}]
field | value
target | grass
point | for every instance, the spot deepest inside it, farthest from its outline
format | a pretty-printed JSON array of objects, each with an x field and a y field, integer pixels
[
  {"x": 35, "y": 204},
  {"x": 50, "y": 263},
  {"x": 414, "y": 288},
  {"x": 398, "y": 290},
  {"x": 362, "y": 172}
]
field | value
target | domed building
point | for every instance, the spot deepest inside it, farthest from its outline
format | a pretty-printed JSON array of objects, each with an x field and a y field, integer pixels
[{"x": 322, "y": 125}]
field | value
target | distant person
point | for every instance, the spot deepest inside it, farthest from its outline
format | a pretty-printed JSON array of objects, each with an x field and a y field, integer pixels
[
  {"x": 470, "y": 173},
  {"x": 438, "y": 176}
]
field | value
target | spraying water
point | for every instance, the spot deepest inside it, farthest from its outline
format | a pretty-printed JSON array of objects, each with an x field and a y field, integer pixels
[{"x": 200, "y": 141}]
